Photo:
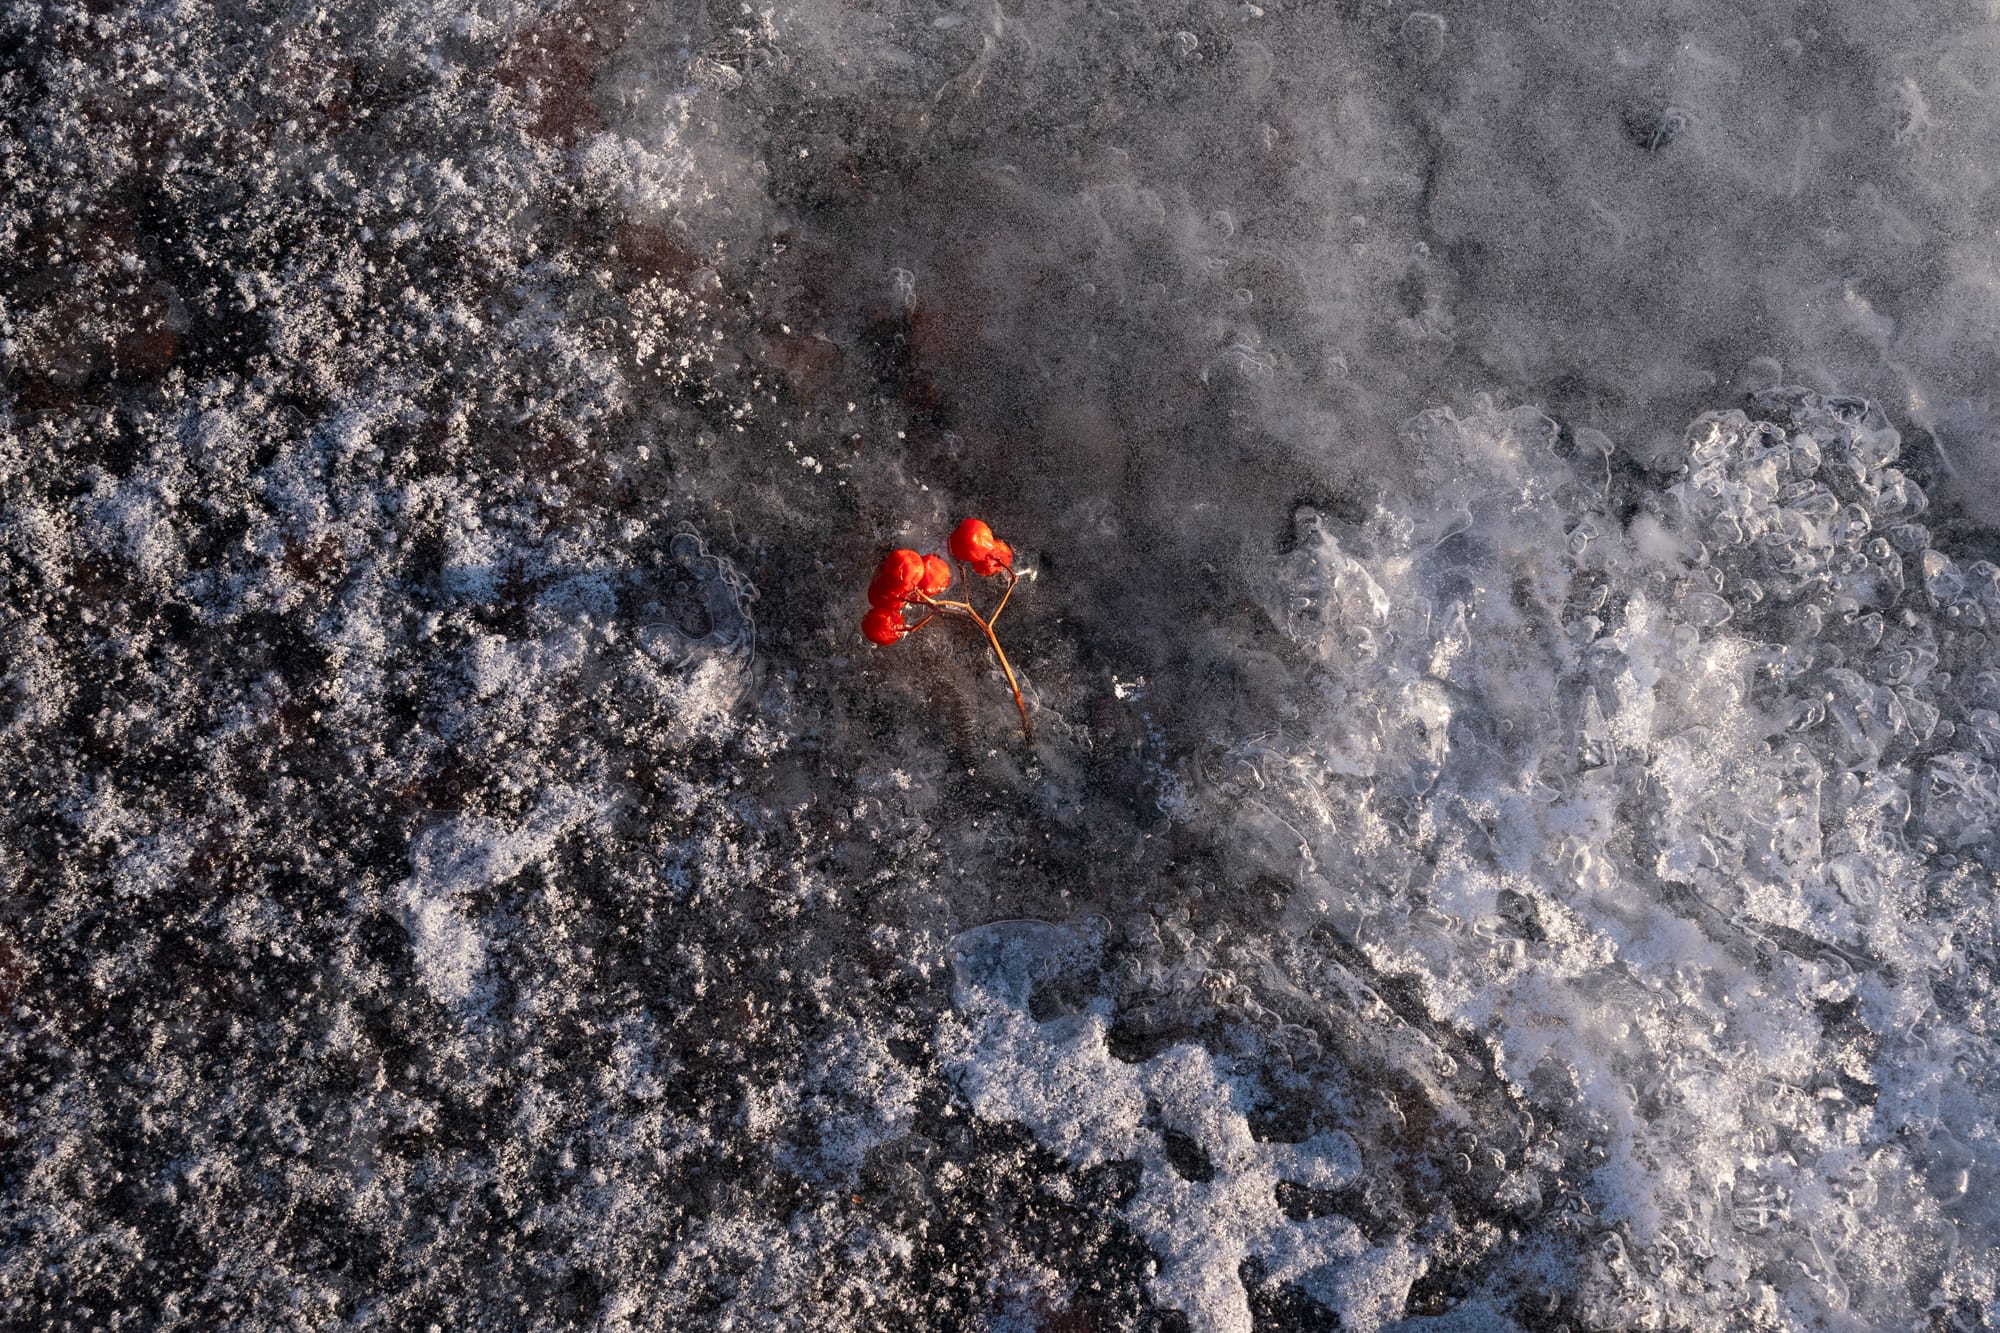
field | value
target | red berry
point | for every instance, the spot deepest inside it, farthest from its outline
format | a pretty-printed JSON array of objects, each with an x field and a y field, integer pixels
[
  {"x": 883, "y": 627},
  {"x": 999, "y": 558},
  {"x": 937, "y": 576},
  {"x": 905, "y": 566},
  {"x": 885, "y": 597},
  {"x": 896, "y": 580},
  {"x": 971, "y": 541}
]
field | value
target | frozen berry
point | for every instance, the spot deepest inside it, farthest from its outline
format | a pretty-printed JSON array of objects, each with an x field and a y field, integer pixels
[
  {"x": 937, "y": 576},
  {"x": 971, "y": 541},
  {"x": 883, "y": 627},
  {"x": 896, "y": 580}
]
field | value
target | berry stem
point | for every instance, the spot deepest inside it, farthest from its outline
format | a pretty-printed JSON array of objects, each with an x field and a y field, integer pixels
[
  {"x": 1027, "y": 730},
  {"x": 1012, "y": 579},
  {"x": 985, "y": 624}
]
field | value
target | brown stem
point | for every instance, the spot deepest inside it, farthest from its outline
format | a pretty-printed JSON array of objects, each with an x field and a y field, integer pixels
[
  {"x": 985, "y": 624},
  {"x": 1027, "y": 729},
  {"x": 1012, "y": 579}
]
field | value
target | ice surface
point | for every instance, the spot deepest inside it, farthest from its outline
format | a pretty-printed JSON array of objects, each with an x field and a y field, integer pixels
[
  {"x": 1509, "y": 495},
  {"x": 1207, "y": 1198}
]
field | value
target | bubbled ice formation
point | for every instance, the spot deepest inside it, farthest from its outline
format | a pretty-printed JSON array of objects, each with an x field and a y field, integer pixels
[
  {"x": 1557, "y": 895},
  {"x": 1207, "y": 1194},
  {"x": 1645, "y": 825}
]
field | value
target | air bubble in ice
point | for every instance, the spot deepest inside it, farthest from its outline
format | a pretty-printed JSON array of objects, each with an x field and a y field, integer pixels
[
  {"x": 1422, "y": 37},
  {"x": 1960, "y": 800}
]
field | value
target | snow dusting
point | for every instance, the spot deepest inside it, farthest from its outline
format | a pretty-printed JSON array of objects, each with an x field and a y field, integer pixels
[{"x": 1506, "y": 502}]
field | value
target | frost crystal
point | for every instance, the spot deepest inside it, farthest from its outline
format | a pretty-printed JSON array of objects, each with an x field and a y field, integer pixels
[{"x": 1481, "y": 867}]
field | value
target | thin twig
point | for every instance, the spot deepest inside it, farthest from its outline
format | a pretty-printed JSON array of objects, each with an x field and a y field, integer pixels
[
  {"x": 1027, "y": 729},
  {"x": 1012, "y": 579},
  {"x": 985, "y": 624}
]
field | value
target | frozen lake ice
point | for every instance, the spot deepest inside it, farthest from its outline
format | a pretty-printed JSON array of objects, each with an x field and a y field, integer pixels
[{"x": 1506, "y": 499}]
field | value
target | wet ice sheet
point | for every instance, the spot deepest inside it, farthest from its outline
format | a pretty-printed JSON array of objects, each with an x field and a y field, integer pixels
[
  {"x": 1674, "y": 793},
  {"x": 466, "y": 870}
]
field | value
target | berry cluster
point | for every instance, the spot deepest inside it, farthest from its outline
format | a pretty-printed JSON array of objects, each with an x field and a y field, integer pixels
[
  {"x": 902, "y": 578},
  {"x": 974, "y": 543},
  {"x": 906, "y": 578}
]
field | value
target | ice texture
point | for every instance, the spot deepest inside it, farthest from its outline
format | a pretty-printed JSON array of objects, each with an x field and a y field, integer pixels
[
  {"x": 1672, "y": 868},
  {"x": 1507, "y": 495},
  {"x": 1207, "y": 1197}
]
